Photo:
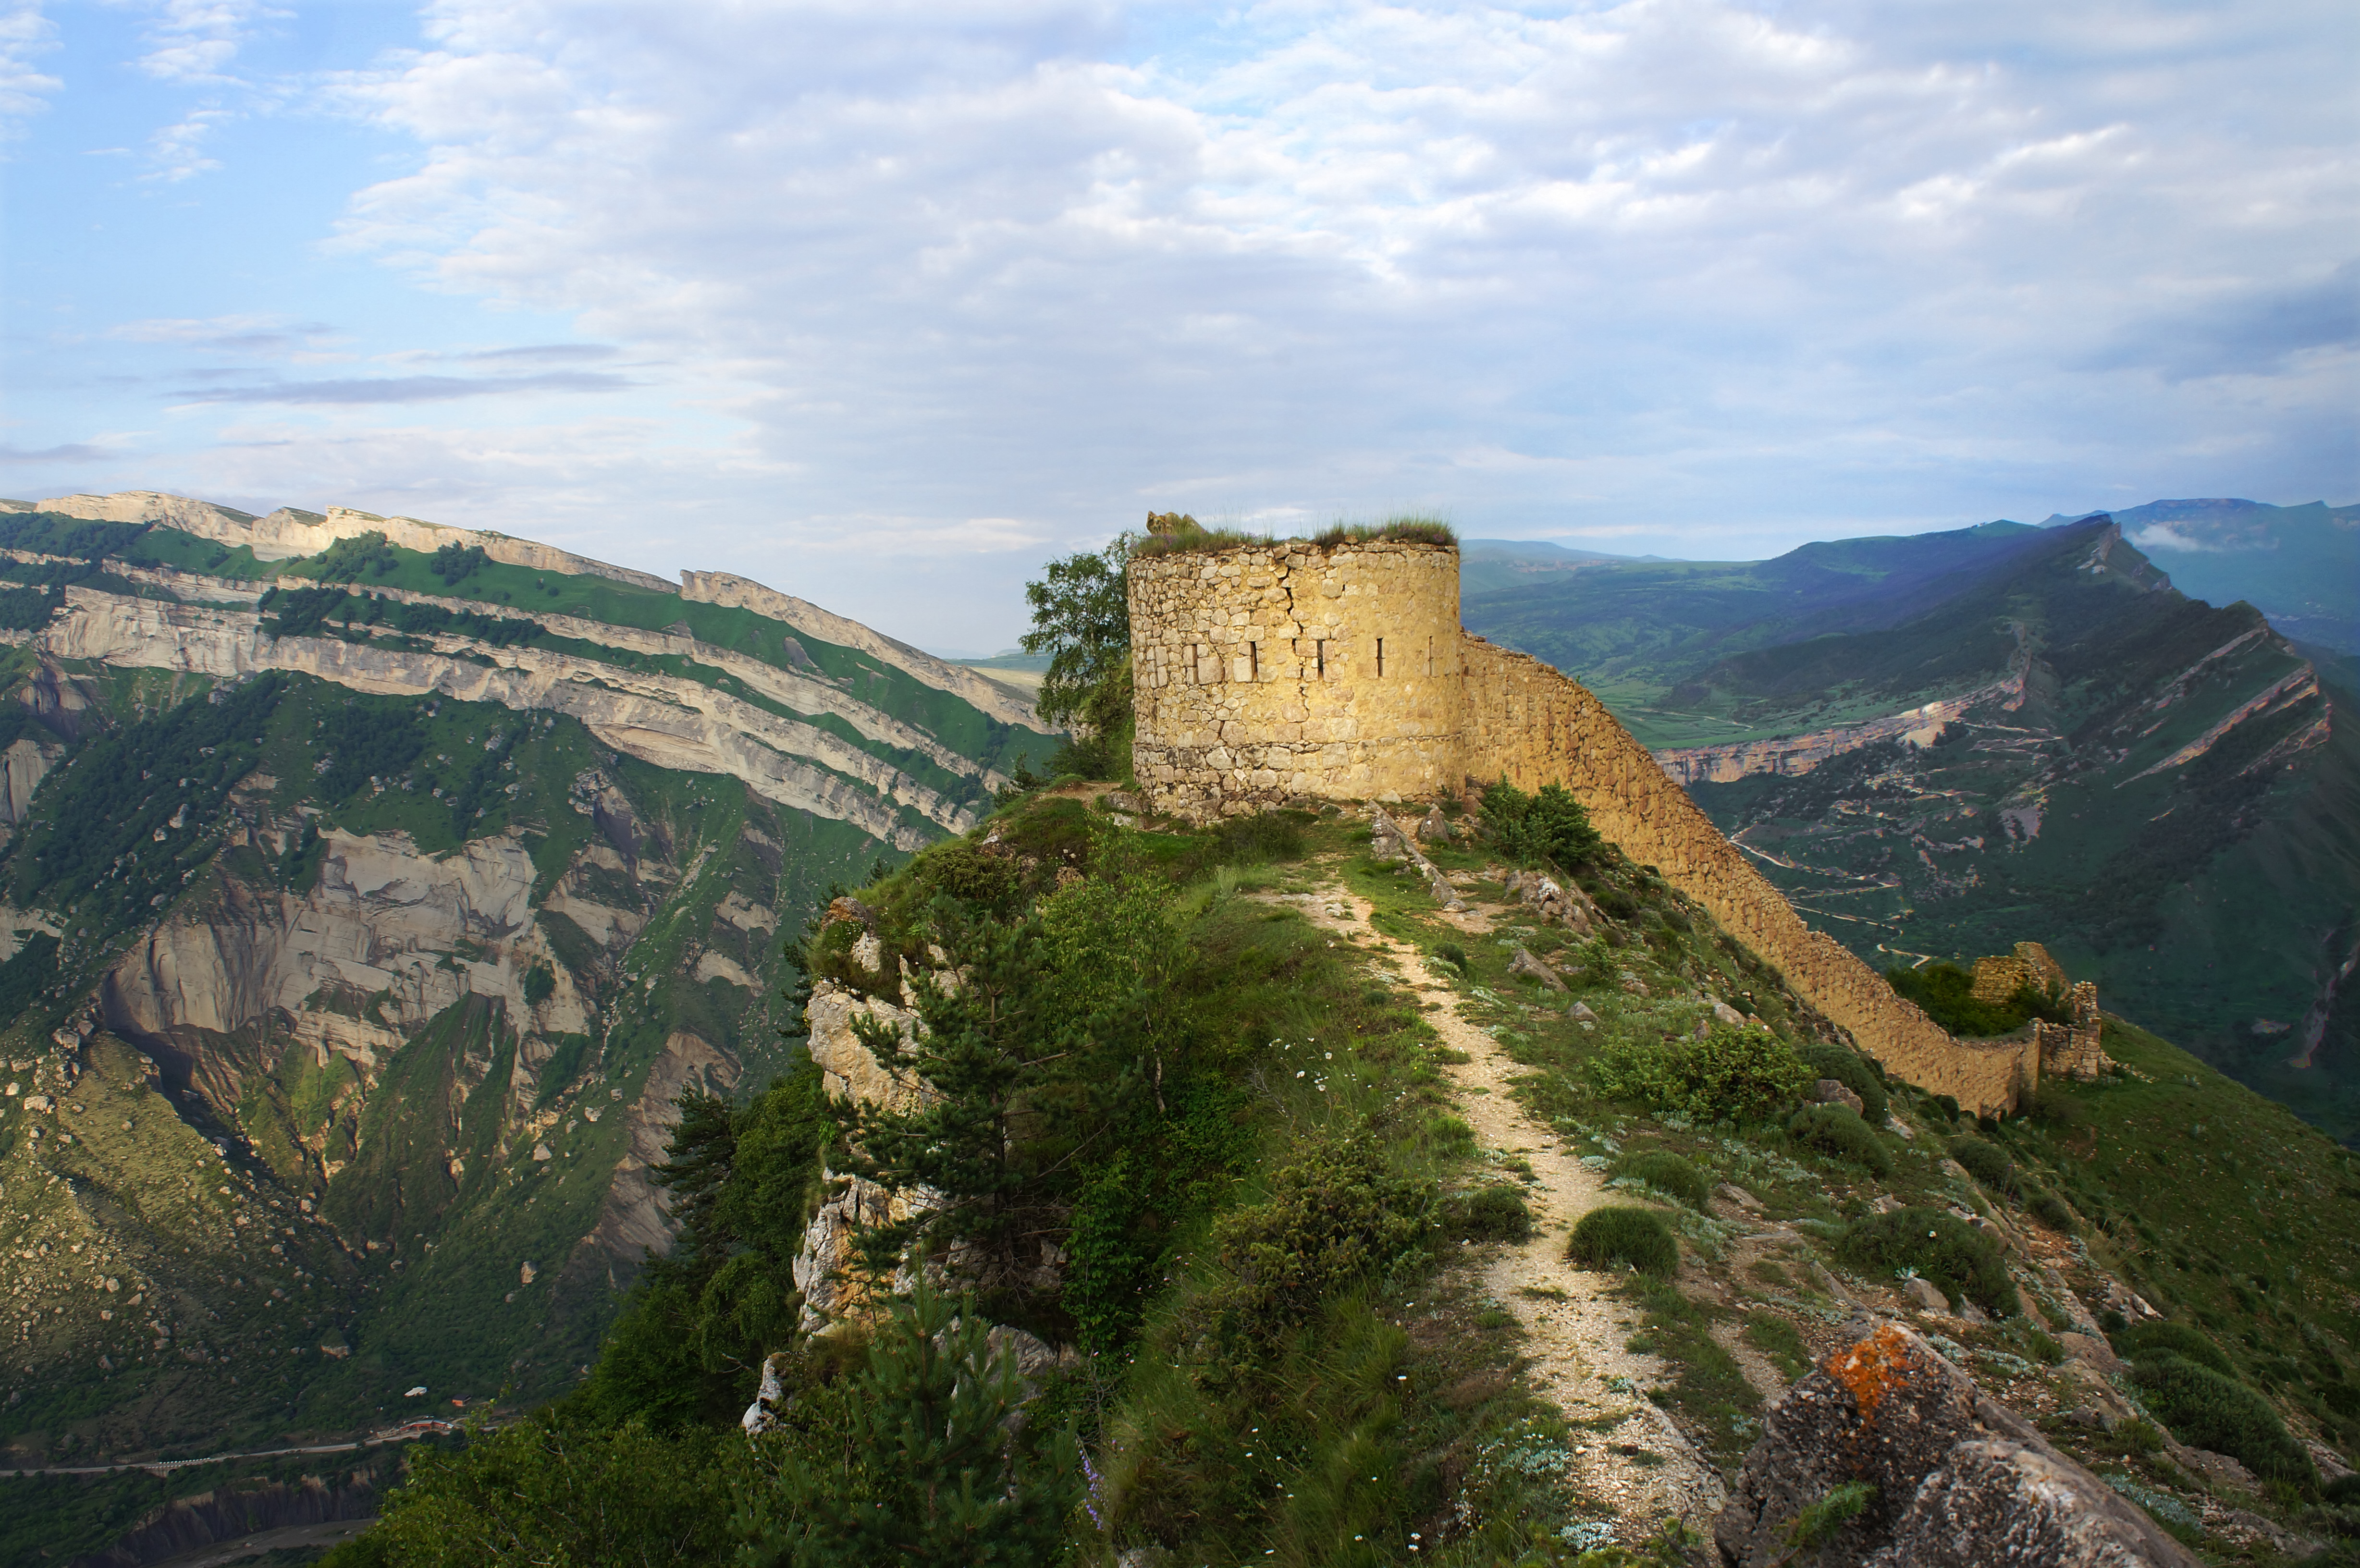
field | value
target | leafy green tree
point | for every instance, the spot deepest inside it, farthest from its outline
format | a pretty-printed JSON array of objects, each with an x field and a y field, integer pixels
[
  {"x": 926, "y": 1466},
  {"x": 1081, "y": 618}
]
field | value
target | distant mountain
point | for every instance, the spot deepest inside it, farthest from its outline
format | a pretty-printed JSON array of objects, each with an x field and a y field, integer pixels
[
  {"x": 372, "y": 890},
  {"x": 2297, "y": 565},
  {"x": 1632, "y": 630},
  {"x": 1487, "y": 565},
  {"x": 1940, "y": 746}
]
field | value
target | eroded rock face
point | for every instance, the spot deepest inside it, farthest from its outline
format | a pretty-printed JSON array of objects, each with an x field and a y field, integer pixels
[
  {"x": 850, "y": 1070},
  {"x": 1959, "y": 1479}
]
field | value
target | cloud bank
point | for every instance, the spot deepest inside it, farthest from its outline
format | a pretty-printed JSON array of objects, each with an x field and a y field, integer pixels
[{"x": 897, "y": 281}]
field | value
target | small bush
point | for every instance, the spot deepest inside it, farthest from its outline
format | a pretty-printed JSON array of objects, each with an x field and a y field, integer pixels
[
  {"x": 1497, "y": 1213},
  {"x": 1453, "y": 954},
  {"x": 1338, "y": 1216},
  {"x": 2051, "y": 1211},
  {"x": 1731, "y": 1075},
  {"x": 1985, "y": 1163},
  {"x": 1853, "y": 1071},
  {"x": 2148, "y": 1341},
  {"x": 2205, "y": 1409},
  {"x": 1616, "y": 1238},
  {"x": 1939, "y": 1246},
  {"x": 1667, "y": 1172},
  {"x": 1550, "y": 826},
  {"x": 1837, "y": 1130}
]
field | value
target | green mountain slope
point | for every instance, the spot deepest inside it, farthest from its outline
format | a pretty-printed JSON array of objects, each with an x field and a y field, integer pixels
[
  {"x": 1635, "y": 632},
  {"x": 2298, "y": 565},
  {"x": 365, "y": 904},
  {"x": 2161, "y": 790}
]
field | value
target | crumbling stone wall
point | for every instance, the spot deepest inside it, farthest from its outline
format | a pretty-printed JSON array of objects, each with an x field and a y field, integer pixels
[
  {"x": 1533, "y": 726},
  {"x": 2000, "y": 978},
  {"x": 1271, "y": 671}
]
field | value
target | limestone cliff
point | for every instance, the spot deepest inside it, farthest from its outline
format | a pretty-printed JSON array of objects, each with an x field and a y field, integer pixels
[{"x": 406, "y": 925}]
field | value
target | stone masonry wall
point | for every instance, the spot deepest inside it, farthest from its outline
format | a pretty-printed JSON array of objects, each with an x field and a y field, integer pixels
[
  {"x": 1267, "y": 672},
  {"x": 1535, "y": 727}
]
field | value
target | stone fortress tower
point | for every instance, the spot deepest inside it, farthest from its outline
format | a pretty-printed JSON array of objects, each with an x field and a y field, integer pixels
[{"x": 1275, "y": 671}]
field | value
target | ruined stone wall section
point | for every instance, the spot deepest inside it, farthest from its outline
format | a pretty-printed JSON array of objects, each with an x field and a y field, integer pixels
[
  {"x": 1526, "y": 722},
  {"x": 1268, "y": 673}
]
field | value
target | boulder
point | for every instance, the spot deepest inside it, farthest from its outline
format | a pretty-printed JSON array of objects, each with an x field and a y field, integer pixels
[
  {"x": 1728, "y": 1014},
  {"x": 2091, "y": 1350},
  {"x": 1580, "y": 1013},
  {"x": 1957, "y": 1479},
  {"x": 1832, "y": 1092},
  {"x": 1926, "y": 1294},
  {"x": 1436, "y": 828},
  {"x": 1525, "y": 964},
  {"x": 845, "y": 908},
  {"x": 1996, "y": 1502}
]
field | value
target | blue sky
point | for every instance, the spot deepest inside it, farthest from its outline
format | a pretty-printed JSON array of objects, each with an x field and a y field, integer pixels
[{"x": 885, "y": 303}]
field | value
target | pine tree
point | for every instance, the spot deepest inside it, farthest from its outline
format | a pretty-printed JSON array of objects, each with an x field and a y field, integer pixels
[{"x": 926, "y": 1468}]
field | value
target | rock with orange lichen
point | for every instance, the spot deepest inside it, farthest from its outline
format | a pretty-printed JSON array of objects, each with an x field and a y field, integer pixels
[{"x": 1957, "y": 1479}]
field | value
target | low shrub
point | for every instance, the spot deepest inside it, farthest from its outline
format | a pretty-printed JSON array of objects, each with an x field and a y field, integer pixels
[
  {"x": 2051, "y": 1211},
  {"x": 1939, "y": 1247},
  {"x": 1453, "y": 954},
  {"x": 2205, "y": 1409},
  {"x": 1983, "y": 1161},
  {"x": 1615, "y": 1239},
  {"x": 1667, "y": 1172},
  {"x": 1851, "y": 1070},
  {"x": 1837, "y": 1130},
  {"x": 1730, "y": 1076},
  {"x": 2149, "y": 1341},
  {"x": 1497, "y": 1213},
  {"x": 1337, "y": 1216},
  {"x": 1550, "y": 826}
]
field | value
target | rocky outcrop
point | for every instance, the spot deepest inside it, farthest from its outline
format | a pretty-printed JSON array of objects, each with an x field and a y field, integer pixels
[
  {"x": 1732, "y": 760},
  {"x": 634, "y": 1220},
  {"x": 670, "y": 722},
  {"x": 411, "y": 933},
  {"x": 726, "y": 588},
  {"x": 1958, "y": 1479},
  {"x": 289, "y": 532},
  {"x": 850, "y": 1070},
  {"x": 22, "y": 767}
]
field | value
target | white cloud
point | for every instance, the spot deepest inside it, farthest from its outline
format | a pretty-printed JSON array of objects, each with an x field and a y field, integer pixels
[
  {"x": 1689, "y": 273},
  {"x": 26, "y": 35},
  {"x": 194, "y": 42}
]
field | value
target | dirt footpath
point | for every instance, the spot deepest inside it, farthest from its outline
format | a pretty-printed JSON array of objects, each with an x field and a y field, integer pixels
[{"x": 1627, "y": 1454}]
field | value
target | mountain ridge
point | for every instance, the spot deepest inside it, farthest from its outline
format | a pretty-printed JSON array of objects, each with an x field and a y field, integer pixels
[{"x": 376, "y": 902}]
